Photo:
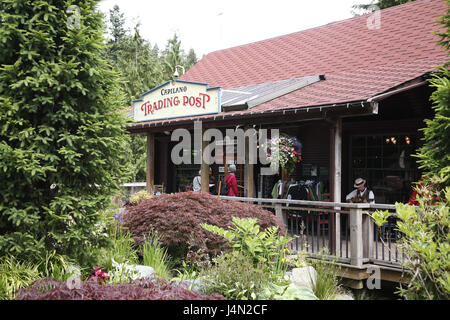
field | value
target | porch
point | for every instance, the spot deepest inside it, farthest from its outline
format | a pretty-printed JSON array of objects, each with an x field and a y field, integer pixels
[{"x": 342, "y": 233}]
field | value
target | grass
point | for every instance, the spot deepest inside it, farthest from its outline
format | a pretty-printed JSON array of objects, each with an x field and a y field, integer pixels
[
  {"x": 326, "y": 285},
  {"x": 121, "y": 249},
  {"x": 15, "y": 275},
  {"x": 56, "y": 266},
  {"x": 156, "y": 256}
]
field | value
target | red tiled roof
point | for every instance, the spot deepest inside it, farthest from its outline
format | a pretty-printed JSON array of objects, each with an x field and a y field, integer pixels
[
  {"x": 352, "y": 85},
  {"x": 358, "y": 63},
  {"x": 340, "y": 50}
]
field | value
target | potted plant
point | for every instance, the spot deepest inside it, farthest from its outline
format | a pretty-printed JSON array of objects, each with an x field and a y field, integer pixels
[{"x": 285, "y": 152}]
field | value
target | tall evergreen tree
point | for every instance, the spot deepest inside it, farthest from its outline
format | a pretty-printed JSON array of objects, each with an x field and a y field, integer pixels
[
  {"x": 191, "y": 59},
  {"x": 139, "y": 66},
  {"x": 382, "y": 4},
  {"x": 434, "y": 156},
  {"x": 61, "y": 137},
  {"x": 173, "y": 56},
  {"x": 117, "y": 32}
]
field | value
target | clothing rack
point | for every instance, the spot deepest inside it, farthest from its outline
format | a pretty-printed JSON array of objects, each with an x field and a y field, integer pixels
[{"x": 299, "y": 190}]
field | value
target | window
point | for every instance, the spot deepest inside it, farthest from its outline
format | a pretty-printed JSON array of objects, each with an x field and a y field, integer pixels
[{"x": 386, "y": 162}]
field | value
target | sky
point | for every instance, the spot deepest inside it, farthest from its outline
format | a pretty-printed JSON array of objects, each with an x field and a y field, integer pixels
[{"x": 211, "y": 25}]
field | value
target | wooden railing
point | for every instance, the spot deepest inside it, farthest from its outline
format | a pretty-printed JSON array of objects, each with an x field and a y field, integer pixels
[{"x": 345, "y": 230}]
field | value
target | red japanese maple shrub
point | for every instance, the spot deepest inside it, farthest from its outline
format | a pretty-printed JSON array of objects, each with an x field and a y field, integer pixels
[
  {"x": 144, "y": 289},
  {"x": 177, "y": 218}
]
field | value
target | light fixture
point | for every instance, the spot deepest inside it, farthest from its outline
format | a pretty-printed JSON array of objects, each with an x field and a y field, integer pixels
[{"x": 176, "y": 74}]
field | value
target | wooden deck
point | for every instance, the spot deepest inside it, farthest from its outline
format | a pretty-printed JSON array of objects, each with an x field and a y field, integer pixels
[{"x": 351, "y": 238}]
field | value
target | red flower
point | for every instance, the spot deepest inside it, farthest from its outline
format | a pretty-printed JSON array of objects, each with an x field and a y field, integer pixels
[{"x": 98, "y": 273}]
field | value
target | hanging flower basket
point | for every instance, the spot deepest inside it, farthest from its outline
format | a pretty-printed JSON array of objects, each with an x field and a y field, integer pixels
[{"x": 284, "y": 152}]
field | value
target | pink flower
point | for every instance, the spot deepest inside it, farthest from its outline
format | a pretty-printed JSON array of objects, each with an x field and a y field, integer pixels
[{"x": 97, "y": 271}]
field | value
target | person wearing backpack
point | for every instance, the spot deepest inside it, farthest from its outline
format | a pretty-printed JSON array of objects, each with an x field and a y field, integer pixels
[{"x": 230, "y": 181}]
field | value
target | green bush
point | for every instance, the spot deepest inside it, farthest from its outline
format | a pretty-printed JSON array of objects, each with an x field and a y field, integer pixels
[
  {"x": 140, "y": 196},
  {"x": 56, "y": 266},
  {"x": 425, "y": 244},
  {"x": 260, "y": 255},
  {"x": 62, "y": 140},
  {"x": 121, "y": 248},
  {"x": 235, "y": 276},
  {"x": 266, "y": 247},
  {"x": 433, "y": 156},
  {"x": 286, "y": 292}
]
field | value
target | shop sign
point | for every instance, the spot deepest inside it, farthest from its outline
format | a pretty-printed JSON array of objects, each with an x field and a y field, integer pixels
[{"x": 175, "y": 99}]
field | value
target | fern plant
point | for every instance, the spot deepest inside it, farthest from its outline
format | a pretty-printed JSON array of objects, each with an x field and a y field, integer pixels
[{"x": 264, "y": 247}]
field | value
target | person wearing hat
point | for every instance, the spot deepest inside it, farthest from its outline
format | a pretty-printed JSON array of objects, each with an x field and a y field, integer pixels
[
  {"x": 231, "y": 182},
  {"x": 361, "y": 194}
]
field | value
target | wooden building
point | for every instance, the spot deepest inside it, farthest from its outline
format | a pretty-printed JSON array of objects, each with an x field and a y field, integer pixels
[{"x": 354, "y": 92}]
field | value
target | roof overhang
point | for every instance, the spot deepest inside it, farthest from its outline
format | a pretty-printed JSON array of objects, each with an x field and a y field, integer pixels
[
  {"x": 227, "y": 119},
  {"x": 362, "y": 107},
  {"x": 250, "y": 96}
]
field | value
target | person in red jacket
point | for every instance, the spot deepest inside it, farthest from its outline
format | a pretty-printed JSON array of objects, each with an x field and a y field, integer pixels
[
  {"x": 413, "y": 199},
  {"x": 231, "y": 182},
  {"x": 420, "y": 189}
]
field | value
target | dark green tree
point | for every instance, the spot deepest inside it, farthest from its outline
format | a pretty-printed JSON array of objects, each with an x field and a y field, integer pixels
[
  {"x": 117, "y": 32},
  {"x": 434, "y": 155},
  {"x": 382, "y": 4},
  {"x": 138, "y": 65},
  {"x": 191, "y": 59},
  {"x": 141, "y": 68},
  {"x": 173, "y": 56},
  {"x": 62, "y": 138}
]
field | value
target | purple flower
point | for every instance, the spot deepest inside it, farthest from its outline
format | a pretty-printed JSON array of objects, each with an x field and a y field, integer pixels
[{"x": 118, "y": 217}]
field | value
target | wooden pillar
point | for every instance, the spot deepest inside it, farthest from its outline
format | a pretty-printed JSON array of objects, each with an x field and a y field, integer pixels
[
  {"x": 249, "y": 184},
  {"x": 164, "y": 160},
  {"x": 336, "y": 181},
  {"x": 150, "y": 172},
  {"x": 368, "y": 232},
  {"x": 281, "y": 214},
  {"x": 356, "y": 238},
  {"x": 337, "y": 165},
  {"x": 204, "y": 169}
]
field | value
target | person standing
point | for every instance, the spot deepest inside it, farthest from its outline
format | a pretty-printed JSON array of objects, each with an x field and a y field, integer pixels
[
  {"x": 231, "y": 182},
  {"x": 197, "y": 182},
  {"x": 361, "y": 194}
]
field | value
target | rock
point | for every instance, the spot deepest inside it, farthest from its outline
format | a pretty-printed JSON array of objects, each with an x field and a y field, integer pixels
[
  {"x": 144, "y": 271},
  {"x": 136, "y": 271},
  {"x": 344, "y": 297},
  {"x": 288, "y": 275},
  {"x": 194, "y": 285},
  {"x": 303, "y": 277}
]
